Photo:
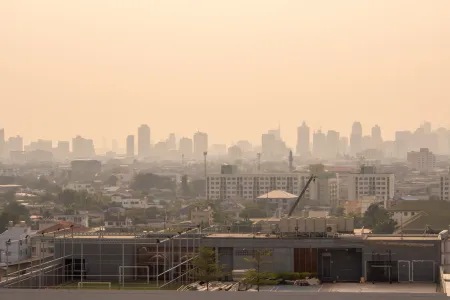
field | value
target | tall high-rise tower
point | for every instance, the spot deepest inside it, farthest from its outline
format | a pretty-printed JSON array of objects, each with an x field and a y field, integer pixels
[
  {"x": 144, "y": 141},
  {"x": 332, "y": 144},
  {"x": 303, "y": 139},
  {"x": 2, "y": 143},
  {"x": 377, "y": 140},
  {"x": 356, "y": 138},
  {"x": 200, "y": 143},
  {"x": 130, "y": 146},
  {"x": 319, "y": 144}
]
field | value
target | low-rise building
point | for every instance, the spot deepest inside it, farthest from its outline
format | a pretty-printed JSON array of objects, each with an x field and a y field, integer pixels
[
  {"x": 117, "y": 221},
  {"x": 423, "y": 160},
  {"x": 15, "y": 243},
  {"x": 444, "y": 186},
  {"x": 79, "y": 187},
  {"x": 130, "y": 203},
  {"x": 368, "y": 182},
  {"x": 82, "y": 219},
  {"x": 202, "y": 216},
  {"x": 283, "y": 200}
]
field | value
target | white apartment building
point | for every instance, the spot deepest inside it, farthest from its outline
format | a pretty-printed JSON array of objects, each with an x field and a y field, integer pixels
[
  {"x": 423, "y": 160},
  {"x": 444, "y": 185},
  {"x": 78, "y": 187},
  {"x": 15, "y": 243},
  {"x": 75, "y": 219},
  {"x": 369, "y": 183},
  {"x": 251, "y": 186},
  {"x": 130, "y": 203}
]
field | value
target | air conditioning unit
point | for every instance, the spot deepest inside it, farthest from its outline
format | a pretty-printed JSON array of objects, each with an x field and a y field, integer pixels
[{"x": 332, "y": 228}]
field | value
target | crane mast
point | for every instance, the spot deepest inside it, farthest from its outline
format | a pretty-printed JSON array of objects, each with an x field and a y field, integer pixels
[{"x": 299, "y": 198}]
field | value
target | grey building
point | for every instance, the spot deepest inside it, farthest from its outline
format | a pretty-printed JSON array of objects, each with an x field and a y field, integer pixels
[{"x": 345, "y": 258}]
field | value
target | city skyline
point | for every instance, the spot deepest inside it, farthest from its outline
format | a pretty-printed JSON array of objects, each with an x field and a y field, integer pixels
[
  {"x": 99, "y": 72},
  {"x": 308, "y": 140}
]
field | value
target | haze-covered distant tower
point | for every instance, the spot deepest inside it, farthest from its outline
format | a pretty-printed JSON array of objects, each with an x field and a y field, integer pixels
[
  {"x": 82, "y": 148},
  {"x": 303, "y": 139},
  {"x": 343, "y": 145},
  {"x": 130, "y": 146},
  {"x": 2, "y": 143},
  {"x": 332, "y": 144},
  {"x": 377, "y": 140},
  {"x": 200, "y": 144},
  {"x": 356, "y": 138},
  {"x": 185, "y": 147},
  {"x": 144, "y": 141},
  {"x": 319, "y": 144},
  {"x": 171, "y": 142},
  {"x": 268, "y": 145}
]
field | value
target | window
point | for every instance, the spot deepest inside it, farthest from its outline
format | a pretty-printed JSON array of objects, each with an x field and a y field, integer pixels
[{"x": 405, "y": 213}]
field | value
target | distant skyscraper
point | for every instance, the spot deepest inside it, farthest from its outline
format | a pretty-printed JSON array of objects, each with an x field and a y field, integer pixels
[
  {"x": 62, "y": 151},
  {"x": 172, "y": 142},
  {"x": 377, "y": 140},
  {"x": 426, "y": 127},
  {"x": 2, "y": 143},
  {"x": 160, "y": 149},
  {"x": 245, "y": 146},
  {"x": 82, "y": 148},
  {"x": 343, "y": 145},
  {"x": 200, "y": 143},
  {"x": 130, "y": 146},
  {"x": 356, "y": 138},
  {"x": 15, "y": 143},
  {"x": 303, "y": 141},
  {"x": 276, "y": 133},
  {"x": 403, "y": 143},
  {"x": 332, "y": 144},
  {"x": 186, "y": 147},
  {"x": 319, "y": 144},
  {"x": 144, "y": 141},
  {"x": 268, "y": 145}
]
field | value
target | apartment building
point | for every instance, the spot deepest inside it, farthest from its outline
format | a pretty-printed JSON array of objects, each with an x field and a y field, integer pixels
[
  {"x": 423, "y": 160},
  {"x": 368, "y": 182},
  {"x": 444, "y": 185},
  {"x": 250, "y": 186},
  {"x": 79, "y": 187}
]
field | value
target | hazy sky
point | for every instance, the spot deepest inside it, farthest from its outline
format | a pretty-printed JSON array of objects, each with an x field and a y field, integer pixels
[{"x": 232, "y": 68}]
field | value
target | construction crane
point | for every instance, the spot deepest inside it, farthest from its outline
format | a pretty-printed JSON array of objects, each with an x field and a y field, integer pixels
[{"x": 299, "y": 198}]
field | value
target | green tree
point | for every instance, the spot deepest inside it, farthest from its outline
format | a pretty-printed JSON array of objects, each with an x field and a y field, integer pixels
[
  {"x": 206, "y": 267},
  {"x": 67, "y": 197},
  {"x": 147, "y": 181},
  {"x": 338, "y": 211},
  {"x": 258, "y": 259},
  {"x": 197, "y": 187},
  {"x": 112, "y": 180},
  {"x": 378, "y": 219},
  {"x": 254, "y": 211},
  {"x": 14, "y": 212}
]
